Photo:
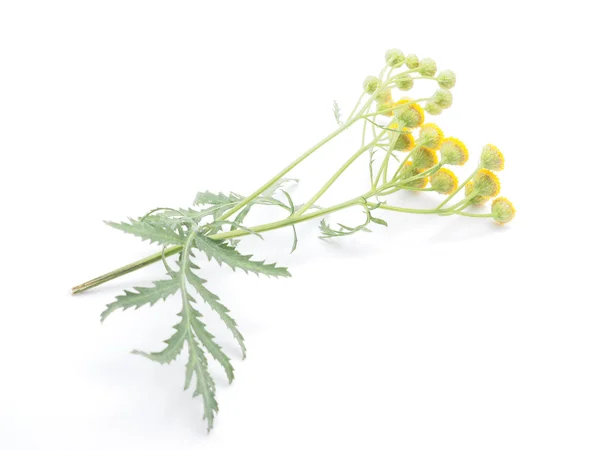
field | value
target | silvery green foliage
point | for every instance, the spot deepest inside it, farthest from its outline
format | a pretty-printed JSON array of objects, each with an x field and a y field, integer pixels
[
  {"x": 328, "y": 232},
  {"x": 192, "y": 229},
  {"x": 337, "y": 113}
]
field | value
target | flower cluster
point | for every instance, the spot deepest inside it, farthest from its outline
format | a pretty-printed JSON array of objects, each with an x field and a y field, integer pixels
[{"x": 429, "y": 151}]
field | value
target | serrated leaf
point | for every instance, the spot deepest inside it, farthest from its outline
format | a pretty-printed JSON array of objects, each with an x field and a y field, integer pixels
[
  {"x": 144, "y": 296},
  {"x": 173, "y": 348},
  {"x": 214, "y": 303},
  {"x": 208, "y": 341},
  {"x": 268, "y": 193},
  {"x": 239, "y": 219},
  {"x": 270, "y": 201},
  {"x": 198, "y": 365},
  {"x": 225, "y": 253},
  {"x": 149, "y": 230},
  {"x": 344, "y": 230},
  {"x": 210, "y": 198}
]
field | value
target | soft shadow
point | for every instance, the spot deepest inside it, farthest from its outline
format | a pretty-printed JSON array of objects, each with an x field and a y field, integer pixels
[{"x": 466, "y": 228}]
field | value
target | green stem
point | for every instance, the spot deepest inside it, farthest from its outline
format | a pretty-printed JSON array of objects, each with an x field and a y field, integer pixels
[
  {"x": 127, "y": 269},
  {"x": 460, "y": 213},
  {"x": 459, "y": 188},
  {"x": 283, "y": 172},
  {"x": 356, "y": 106},
  {"x": 336, "y": 175},
  {"x": 394, "y": 108},
  {"x": 301, "y": 216},
  {"x": 384, "y": 165},
  {"x": 403, "y": 163},
  {"x": 219, "y": 236},
  {"x": 410, "y": 210}
]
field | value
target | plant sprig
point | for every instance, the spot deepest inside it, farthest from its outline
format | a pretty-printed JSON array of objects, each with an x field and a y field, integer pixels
[{"x": 215, "y": 223}]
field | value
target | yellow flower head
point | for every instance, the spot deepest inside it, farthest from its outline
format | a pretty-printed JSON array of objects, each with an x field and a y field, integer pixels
[
  {"x": 454, "y": 152},
  {"x": 503, "y": 210},
  {"x": 477, "y": 199},
  {"x": 431, "y": 136},
  {"x": 492, "y": 158},
  {"x": 444, "y": 181},
  {"x": 424, "y": 158},
  {"x": 412, "y": 115},
  {"x": 409, "y": 171},
  {"x": 486, "y": 183}
]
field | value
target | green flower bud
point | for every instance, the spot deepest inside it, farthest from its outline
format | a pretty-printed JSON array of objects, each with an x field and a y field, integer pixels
[
  {"x": 371, "y": 84},
  {"x": 384, "y": 96},
  {"x": 394, "y": 57},
  {"x": 412, "y": 61},
  {"x": 427, "y": 67},
  {"x": 404, "y": 82},
  {"x": 503, "y": 210},
  {"x": 443, "y": 97},
  {"x": 447, "y": 79},
  {"x": 433, "y": 108}
]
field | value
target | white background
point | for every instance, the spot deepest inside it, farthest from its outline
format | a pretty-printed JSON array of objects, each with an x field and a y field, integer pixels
[{"x": 435, "y": 333}]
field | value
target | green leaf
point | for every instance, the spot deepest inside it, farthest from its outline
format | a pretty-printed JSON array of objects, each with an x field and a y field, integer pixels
[
  {"x": 344, "y": 230},
  {"x": 337, "y": 113},
  {"x": 379, "y": 221},
  {"x": 174, "y": 344},
  {"x": 144, "y": 296},
  {"x": 205, "y": 386},
  {"x": 224, "y": 253},
  {"x": 270, "y": 201},
  {"x": 149, "y": 230},
  {"x": 268, "y": 193},
  {"x": 209, "y": 198},
  {"x": 292, "y": 211},
  {"x": 214, "y": 303},
  {"x": 218, "y": 224},
  {"x": 393, "y": 130},
  {"x": 208, "y": 341},
  {"x": 239, "y": 219}
]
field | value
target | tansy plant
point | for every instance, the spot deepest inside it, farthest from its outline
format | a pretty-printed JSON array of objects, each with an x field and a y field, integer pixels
[{"x": 404, "y": 153}]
